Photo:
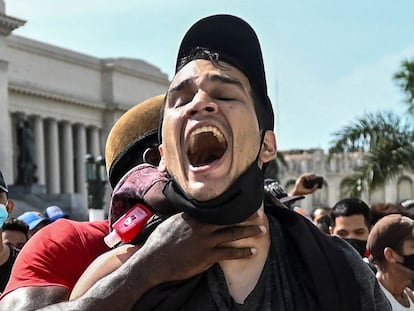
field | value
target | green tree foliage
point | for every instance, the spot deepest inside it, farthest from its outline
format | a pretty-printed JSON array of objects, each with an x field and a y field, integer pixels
[
  {"x": 405, "y": 80},
  {"x": 273, "y": 168},
  {"x": 385, "y": 138}
]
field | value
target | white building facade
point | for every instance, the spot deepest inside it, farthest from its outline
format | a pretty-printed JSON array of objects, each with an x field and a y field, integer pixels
[
  {"x": 335, "y": 172},
  {"x": 68, "y": 100}
]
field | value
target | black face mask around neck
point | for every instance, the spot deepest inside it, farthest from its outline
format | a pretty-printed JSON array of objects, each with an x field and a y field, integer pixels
[
  {"x": 359, "y": 245},
  {"x": 408, "y": 261},
  {"x": 235, "y": 205}
]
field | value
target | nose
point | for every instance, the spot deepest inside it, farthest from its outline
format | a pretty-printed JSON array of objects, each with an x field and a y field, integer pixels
[{"x": 201, "y": 103}]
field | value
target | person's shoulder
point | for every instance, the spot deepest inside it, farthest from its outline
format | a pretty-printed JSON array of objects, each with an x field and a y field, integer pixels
[
  {"x": 84, "y": 226},
  {"x": 347, "y": 248},
  {"x": 350, "y": 253},
  {"x": 64, "y": 231},
  {"x": 371, "y": 295}
]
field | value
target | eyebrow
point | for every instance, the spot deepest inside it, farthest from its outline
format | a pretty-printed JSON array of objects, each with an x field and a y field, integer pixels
[{"x": 212, "y": 78}]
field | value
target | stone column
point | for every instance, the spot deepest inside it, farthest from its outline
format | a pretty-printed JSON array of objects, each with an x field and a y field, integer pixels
[
  {"x": 7, "y": 25},
  {"x": 67, "y": 153},
  {"x": 53, "y": 170},
  {"x": 94, "y": 141},
  {"x": 6, "y": 158},
  {"x": 80, "y": 136},
  {"x": 38, "y": 128}
]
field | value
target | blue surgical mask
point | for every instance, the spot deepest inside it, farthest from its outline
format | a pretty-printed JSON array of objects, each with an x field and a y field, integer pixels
[{"x": 4, "y": 214}]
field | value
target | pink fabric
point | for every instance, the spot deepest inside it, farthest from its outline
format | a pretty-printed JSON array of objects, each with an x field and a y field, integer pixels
[{"x": 143, "y": 183}]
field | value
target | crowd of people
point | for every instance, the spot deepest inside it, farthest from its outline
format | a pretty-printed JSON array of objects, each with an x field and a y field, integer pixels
[
  {"x": 15, "y": 232},
  {"x": 220, "y": 236}
]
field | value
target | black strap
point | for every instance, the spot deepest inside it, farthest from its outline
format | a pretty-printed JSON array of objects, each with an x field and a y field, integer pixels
[{"x": 331, "y": 274}]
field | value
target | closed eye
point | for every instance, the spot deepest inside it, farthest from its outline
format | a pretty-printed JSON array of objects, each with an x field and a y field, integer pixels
[
  {"x": 225, "y": 98},
  {"x": 182, "y": 102}
]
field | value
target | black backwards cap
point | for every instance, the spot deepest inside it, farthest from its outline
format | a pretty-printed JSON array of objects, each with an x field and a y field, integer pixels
[{"x": 236, "y": 43}]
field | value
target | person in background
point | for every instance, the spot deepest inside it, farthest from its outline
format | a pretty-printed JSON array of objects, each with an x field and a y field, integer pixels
[
  {"x": 273, "y": 190},
  {"x": 324, "y": 223},
  {"x": 217, "y": 136},
  {"x": 35, "y": 220},
  {"x": 54, "y": 212},
  {"x": 391, "y": 245},
  {"x": 321, "y": 217},
  {"x": 380, "y": 210},
  {"x": 8, "y": 254},
  {"x": 44, "y": 276},
  {"x": 15, "y": 233},
  {"x": 319, "y": 212},
  {"x": 298, "y": 192},
  {"x": 351, "y": 221},
  {"x": 300, "y": 189},
  {"x": 408, "y": 205}
]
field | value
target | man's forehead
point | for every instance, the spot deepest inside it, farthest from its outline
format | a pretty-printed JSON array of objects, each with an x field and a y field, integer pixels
[
  {"x": 353, "y": 220},
  {"x": 205, "y": 69}
]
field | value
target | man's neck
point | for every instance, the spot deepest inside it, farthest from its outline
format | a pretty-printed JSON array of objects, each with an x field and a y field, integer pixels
[
  {"x": 393, "y": 283},
  {"x": 242, "y": 275}
]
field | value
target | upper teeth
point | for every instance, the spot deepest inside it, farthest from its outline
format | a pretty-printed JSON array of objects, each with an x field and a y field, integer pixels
[{"x": 215, "y": 131}]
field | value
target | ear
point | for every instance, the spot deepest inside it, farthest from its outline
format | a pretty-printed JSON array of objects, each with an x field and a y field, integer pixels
[
  {"x": 269, "y": 147},
  {"x": 160, "y": 150},
  {"x": 161, "y": 166},
  {"x": 10, "y": 206},
  {"x": 390, "y": 255}
]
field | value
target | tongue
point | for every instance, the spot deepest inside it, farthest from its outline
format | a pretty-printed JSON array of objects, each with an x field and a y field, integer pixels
[
  {"x": 205, "y": 148},
  {"x": 203, "y": 159}
]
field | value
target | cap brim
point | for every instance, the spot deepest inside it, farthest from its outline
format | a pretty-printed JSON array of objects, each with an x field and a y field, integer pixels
[
  {"x": 3, "y": 189},
  {"x": 33, "y": 224}
]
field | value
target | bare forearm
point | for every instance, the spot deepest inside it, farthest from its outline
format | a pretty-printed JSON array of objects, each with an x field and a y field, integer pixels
[
  {"x": 117, "y": 291},
  {"x": 160, "y": 260},
  {"x": 33, "y": 297}
]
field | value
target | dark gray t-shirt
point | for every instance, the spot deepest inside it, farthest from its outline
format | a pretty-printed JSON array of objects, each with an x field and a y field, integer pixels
[{"x": 284, "y": 284}]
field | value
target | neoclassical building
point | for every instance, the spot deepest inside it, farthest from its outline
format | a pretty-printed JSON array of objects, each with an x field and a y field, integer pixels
[
  {"x": 57, "y": 106},
  {"x": 334, "y": 173}
]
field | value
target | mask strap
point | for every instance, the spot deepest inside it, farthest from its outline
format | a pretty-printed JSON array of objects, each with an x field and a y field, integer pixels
[{"x": 262, "y": 136}]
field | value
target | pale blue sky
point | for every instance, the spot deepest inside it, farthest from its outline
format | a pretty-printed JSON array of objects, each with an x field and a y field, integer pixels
[{"x": 327, "y": 62}]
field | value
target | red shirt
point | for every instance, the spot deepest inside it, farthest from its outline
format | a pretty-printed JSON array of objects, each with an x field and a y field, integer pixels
[{"x": 58, "y": 254}]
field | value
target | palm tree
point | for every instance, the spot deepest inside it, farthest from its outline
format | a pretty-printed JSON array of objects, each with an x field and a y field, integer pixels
[
  {"x": 405, "y": 80},
  {"x": 385, "y": 139},
  {"x": 273, "y": 168}
]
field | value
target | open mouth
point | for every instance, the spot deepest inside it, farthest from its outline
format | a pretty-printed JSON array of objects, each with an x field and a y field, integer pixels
[{"x": 206, "y": 145}]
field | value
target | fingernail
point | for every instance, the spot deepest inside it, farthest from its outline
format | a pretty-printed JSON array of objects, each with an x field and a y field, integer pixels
[
  {"x": 263, "y": 228},
  {"x": 253, "y": 250}
]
